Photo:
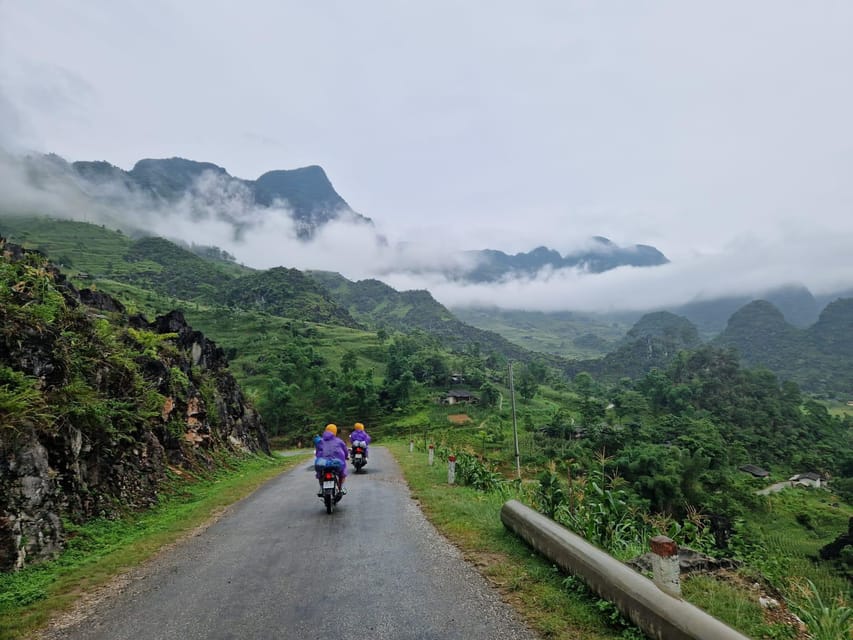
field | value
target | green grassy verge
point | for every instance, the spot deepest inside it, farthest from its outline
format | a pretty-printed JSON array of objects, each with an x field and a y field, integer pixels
[
  {"x": 102, "y": 549},
  {"x": 471, "y": 520},
  {"x": 553, "y": 604}
]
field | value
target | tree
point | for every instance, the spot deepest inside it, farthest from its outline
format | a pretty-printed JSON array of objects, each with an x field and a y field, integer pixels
[
  {"x": 396, "y": 393},
  {"x": 489, "y": 395},
  {"x": 349, "y": 362},
  {"x": 629, "y": 403},
  {"x": 584, "y": 384},
  {"x": 527, "y": 386}
]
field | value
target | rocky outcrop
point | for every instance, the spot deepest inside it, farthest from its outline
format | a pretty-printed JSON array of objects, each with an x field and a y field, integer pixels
[
  {"x": 689, "y": 561},
  {"x": 96, "y": 406},
  {"x": 29, "y": 522}
]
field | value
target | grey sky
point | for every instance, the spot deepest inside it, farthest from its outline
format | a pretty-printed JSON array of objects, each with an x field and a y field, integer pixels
[{"x": 719, "y": 132}]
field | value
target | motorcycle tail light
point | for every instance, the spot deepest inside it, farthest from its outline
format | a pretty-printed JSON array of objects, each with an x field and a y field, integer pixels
[{"x": 329, "y": 476}]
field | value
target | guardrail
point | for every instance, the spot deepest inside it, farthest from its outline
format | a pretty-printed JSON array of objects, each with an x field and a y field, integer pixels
[{"x": 658, "y": 614}]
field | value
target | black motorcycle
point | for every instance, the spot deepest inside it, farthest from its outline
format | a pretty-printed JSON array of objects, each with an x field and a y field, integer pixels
[
  {"x": 358, "y": 454},
  {"x": 329, "y": 475}
]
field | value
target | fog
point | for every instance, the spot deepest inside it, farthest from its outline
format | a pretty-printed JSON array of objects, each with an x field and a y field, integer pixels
[{"x": 219, "y": 211}]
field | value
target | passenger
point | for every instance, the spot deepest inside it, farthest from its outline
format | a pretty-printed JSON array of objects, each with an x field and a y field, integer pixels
[{"x": 360, "y": 435}]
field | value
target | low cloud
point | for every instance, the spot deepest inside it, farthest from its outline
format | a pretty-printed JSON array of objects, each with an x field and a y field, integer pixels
[
  {"x": 220, "y": 211},
  {"x": 750, "y": 266}
]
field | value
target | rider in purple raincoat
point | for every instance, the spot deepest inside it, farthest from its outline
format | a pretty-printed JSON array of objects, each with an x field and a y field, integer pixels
[
  {"x": 360, "y": 435},
  {"x": 331, "y": 446}
]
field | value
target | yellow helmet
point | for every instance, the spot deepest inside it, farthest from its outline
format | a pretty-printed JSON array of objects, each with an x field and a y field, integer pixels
[
  {"x": 359, "y": 426},
  {"x": 333, "y": 428}
]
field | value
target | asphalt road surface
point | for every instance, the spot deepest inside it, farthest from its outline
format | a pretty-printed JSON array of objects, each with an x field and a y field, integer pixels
[{"x": 278, "y": 566}]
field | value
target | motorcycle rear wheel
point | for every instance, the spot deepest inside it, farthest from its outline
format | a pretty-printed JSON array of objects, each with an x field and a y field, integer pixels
[{"x": 330, "y": 503}]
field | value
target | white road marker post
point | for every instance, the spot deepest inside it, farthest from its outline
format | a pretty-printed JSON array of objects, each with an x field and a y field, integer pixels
[
  {"x": 665, "y": 565},
  {"x": 411, "y": 445},
  {"x": 451, "y": 469},
  {"x": 431, "y": 454}
]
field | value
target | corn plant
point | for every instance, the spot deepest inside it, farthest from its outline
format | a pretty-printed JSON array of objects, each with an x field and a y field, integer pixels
[{"x": 825, "y": 620}]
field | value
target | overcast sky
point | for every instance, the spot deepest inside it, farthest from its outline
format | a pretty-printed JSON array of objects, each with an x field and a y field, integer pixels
[{"x": 718, "y": 132}]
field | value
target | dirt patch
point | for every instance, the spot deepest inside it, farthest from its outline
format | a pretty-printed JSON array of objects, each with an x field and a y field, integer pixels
[
  {"x": 484, "y": 559},
  {"x": 459, "y": 418}
]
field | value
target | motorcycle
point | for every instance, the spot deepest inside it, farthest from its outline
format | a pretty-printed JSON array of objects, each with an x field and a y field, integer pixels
[
  {"x": 329, "y": 475},
  {"x": 358, "y": 455}
]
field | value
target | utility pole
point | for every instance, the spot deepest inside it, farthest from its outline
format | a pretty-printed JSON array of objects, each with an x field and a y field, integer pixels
[{"x": 514, "y": 424}]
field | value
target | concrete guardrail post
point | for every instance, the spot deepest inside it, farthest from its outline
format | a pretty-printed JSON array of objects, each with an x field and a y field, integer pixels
[
  {"x": 658, "y": 614},
  {"x": 451, "y": 469},
  {"x": 431, "y": 454},
  {"x": 411, "y": 445}
]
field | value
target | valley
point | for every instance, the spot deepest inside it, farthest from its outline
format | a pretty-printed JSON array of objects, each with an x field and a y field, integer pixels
[{"x": 660, "y": 421}]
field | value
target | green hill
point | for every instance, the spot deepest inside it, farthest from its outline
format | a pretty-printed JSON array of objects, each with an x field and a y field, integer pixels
[
  {"x": 379, "y": 306},
  {"x": 287, "y": 293},
  {"x": 563, "y": 333}
]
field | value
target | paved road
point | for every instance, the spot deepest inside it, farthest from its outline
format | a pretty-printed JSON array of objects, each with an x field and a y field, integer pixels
[{"x": 277, "y": 566}]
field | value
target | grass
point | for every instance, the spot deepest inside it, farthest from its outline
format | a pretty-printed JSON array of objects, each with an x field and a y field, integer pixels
[
  {"x": 795, "y": 525},
  {"x": 471, "y": 520},
  {"x": 79, "y": 246},
  {"x": 102, "y": 549},
  {"x": 729, "y": 603},
  {"x": 839, "y": 408}
]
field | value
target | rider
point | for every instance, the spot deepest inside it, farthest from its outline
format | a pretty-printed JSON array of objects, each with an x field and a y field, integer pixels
[
  {"x": 360, "y": 435},
  {"x": 331, "y": 446}
]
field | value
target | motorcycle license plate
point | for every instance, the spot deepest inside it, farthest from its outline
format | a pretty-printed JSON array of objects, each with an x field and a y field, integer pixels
[
  {"x": 358, "y": 457},
  {"x": 328, "y": 484}
]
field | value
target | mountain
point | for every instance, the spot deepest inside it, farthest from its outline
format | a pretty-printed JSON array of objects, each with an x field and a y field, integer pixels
[
  {"x": 307, "y": 191},
  {"x": 492, "y": 265},
  {"x": 832, "y": 334},
  {"x": 169, "y": 178},
  {"x": 816, "y": 358},
  {"x": 665, "y": 326},
  {"x": 762, "y": 337},
  {"x": 204, "y": 191},
  {"x": 653, "y": 341},
  {"x": 796, "y": 303},
  {"x": 202, "y": 188}
]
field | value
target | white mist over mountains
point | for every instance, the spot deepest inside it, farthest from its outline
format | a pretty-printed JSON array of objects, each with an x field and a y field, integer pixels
[{"x": 220, "y": 211}]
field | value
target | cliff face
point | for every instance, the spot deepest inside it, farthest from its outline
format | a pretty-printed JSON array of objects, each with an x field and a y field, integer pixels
[{"x": 95, "y": 406}]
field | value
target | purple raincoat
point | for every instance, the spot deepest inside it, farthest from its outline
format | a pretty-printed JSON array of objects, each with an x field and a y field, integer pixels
[
  {"x": 360, "y": 436},
  {"x": 331, "y": 446}
]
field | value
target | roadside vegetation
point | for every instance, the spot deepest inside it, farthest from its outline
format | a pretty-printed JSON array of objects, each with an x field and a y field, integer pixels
[
  {"x": 561, "y": 606},
  {"x": 469, "y": 517},
  {"x": 101, "y": 549}
]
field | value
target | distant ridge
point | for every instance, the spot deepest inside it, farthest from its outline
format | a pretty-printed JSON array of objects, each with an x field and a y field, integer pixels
[
  {"x": 306, "y": 192},
  {"x": 602, "y": 255}
]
